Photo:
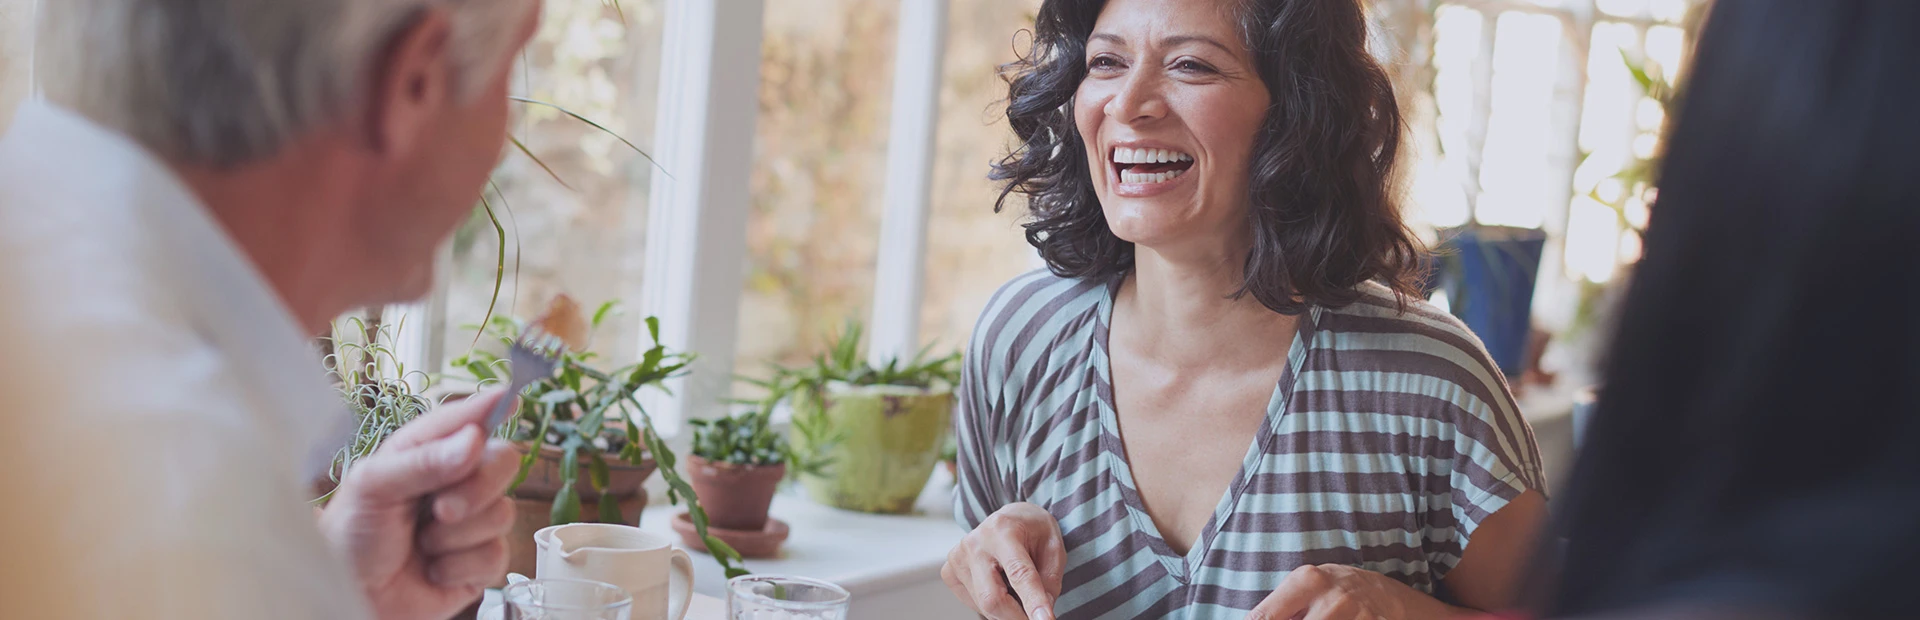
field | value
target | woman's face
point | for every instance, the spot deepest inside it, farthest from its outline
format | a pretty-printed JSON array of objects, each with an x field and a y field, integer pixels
[{"x": 1169, "y": 111}]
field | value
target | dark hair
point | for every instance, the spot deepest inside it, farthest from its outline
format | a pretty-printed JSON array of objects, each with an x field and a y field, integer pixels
[
  {"x": 1758, "y": 434},
  {"x": 1323, "y": 213}
]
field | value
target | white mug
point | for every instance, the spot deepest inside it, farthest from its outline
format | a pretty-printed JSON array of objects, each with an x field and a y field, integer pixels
[{"x": 658, "y": 576}]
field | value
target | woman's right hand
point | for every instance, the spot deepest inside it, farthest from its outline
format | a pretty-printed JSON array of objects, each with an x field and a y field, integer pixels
[{"x": 1016, "y": 552}]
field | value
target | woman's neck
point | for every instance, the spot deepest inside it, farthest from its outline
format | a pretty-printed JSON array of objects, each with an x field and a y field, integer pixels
[{"x": 1182, "y": 309}]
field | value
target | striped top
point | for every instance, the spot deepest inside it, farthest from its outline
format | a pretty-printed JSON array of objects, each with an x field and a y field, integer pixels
[{"x": 1388, "y": 439}]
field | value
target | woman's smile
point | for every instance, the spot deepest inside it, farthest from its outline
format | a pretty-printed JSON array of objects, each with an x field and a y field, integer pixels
[{"x": 1140, "y": 170}]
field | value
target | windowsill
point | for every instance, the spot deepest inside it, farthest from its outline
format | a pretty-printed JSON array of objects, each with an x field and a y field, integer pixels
[{"x": 867, "y": 554}]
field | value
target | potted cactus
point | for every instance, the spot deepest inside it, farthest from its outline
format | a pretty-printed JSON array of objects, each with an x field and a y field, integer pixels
[
  {"x": 736, "y": 466},
  {"x": 878, "y": 430}
]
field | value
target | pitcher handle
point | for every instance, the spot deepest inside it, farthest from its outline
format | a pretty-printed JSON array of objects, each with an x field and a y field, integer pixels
[{"x": 681, "y": 585}]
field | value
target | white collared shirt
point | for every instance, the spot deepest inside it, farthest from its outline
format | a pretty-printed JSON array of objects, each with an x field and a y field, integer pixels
[{"x": 175, "y": 411}]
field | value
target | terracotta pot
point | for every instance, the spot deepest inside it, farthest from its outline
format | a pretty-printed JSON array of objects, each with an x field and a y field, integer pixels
[
  {"x": 543, "y": 480},
  {"x": 757, "y": 544},
  {"x": 735, "y": 496},
  {"x": 533, "y": 501}
]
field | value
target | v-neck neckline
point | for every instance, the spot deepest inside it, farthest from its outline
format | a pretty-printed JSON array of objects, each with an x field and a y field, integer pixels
[{"x": 1113, "y": 448}]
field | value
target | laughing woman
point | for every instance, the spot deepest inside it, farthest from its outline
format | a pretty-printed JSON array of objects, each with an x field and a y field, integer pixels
[{"x": 1222, "y": 396}]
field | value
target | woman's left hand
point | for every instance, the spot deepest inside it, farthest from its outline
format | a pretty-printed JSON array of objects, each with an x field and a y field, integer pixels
[{"x": 1335, "y": 592}]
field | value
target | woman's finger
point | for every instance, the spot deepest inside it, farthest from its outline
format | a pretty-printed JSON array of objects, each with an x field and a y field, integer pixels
[
  {"x": 1333, "y": 606},
  {"x": 1294, "y": 596},
  {"x": 489, "y": 523},
  {"x": 989, "y": 590},
  {"x": 1023, "y": 575}
]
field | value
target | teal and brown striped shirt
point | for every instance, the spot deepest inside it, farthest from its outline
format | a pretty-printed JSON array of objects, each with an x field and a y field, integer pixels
[{"x": 1390, "y": 436}]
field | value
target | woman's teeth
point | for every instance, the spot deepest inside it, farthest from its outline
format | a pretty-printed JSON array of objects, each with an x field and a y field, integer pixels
[
  {"x": 1130, "y": 177},
  {"x": 1148, "y": 156},
  {"x": 1129, "y": 161}
]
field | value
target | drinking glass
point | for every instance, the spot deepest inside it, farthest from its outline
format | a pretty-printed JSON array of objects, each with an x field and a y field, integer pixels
[
  {"x": 565, "y": 599},
  {"x": 773, "y": 597}
]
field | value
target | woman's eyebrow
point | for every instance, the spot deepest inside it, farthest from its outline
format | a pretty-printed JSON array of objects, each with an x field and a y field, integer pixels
[{"x": 1168, "y": 41}]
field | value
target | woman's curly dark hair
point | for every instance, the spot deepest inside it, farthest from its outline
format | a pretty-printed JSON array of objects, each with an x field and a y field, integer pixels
[{"x": 1324, "y": 217}]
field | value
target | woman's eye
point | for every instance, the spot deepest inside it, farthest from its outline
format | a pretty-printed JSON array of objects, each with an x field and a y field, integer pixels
[
  {"x": 1103, "y": 62},
  {"x": 1191, "y": 66}
]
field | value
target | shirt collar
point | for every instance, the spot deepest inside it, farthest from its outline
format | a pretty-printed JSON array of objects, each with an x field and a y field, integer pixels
[{"x": 223, "y": 295}]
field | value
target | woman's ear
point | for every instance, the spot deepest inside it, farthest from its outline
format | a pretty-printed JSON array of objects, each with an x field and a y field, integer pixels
[{"x": 412, "y": 84}]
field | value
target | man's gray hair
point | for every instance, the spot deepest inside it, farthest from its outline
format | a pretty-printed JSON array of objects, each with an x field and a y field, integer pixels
[{"x": 222, "y": 82}]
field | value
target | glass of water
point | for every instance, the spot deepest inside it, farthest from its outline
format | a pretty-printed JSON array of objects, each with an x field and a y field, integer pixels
[
  {"x": 565, "y": 599},
  {"x": 773, "y": 597}
]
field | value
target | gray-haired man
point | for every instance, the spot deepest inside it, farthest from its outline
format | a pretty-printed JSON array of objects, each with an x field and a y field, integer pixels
[{"x": 207, "y": 184}]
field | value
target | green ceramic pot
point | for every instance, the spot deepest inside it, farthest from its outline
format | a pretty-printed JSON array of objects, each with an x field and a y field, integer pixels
[{"x": 890, "y": 442}]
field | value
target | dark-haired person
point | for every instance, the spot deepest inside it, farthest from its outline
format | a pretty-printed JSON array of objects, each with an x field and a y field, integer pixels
[
  {"x": 1221, "y": 396},
  {"x": 1757, "y": 450}
]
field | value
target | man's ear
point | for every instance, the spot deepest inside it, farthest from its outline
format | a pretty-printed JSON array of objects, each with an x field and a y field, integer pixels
[{"x": 412, "y": 84}]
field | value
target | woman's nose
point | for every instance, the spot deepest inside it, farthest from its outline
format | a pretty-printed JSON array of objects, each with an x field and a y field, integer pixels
[{"x": 1138, "y": 100}]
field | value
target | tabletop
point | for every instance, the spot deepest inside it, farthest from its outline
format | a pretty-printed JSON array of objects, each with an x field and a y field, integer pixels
[{"x": 702, "y": 607}]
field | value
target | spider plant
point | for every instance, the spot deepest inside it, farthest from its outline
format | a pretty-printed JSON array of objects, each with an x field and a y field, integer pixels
[{"x": 383, "y": 394}]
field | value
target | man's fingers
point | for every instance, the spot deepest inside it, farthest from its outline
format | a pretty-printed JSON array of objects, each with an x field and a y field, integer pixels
[
  {"x": 1294, "y": 596},
  {"x": 445, "y": 420},
  {"x": 402, "y": 474},
  {"x": 477, "y": 566},
  {"x": 490, "y": 522},
  {"x": 498, "y": 464}
]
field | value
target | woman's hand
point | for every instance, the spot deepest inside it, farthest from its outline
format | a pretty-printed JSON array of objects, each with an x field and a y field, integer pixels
[
  {"x": 1335, "y": 592},
  {"x": 1018, "y": 547}
]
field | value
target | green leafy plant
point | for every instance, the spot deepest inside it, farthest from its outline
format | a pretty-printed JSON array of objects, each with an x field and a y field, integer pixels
[
  {"x": 843, "y": 364},
  {"x": 743, "y": 439},
  {"x": 592, "y": 415},
  {"x": 376, "y": 386}
]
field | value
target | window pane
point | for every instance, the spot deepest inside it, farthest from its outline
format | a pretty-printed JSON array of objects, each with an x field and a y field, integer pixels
[
  {"x": 817, "y": 176},
  {"x": 582, "y": 238},
  {"x": 971, "y": 250},
  {"x": 16, "y": 43},
  {"x": 1517, "y": 171}
]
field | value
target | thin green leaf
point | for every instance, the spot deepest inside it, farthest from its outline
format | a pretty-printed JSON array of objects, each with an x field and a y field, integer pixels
[
  {"x": 536, "y": 160},
  {"x": 566, "y": 506},
  {"x": 499, "y": 261},
  {"x": 610, "y": 510},
  {"x": 557, "y": 396},
  {"x": 597, "y": 472},
  {"x": 595, "y": 125},
  {"x": 601, "y": 313},
  {"x": 618, "y": 11},
  {"x": 1639, "y": 71}
]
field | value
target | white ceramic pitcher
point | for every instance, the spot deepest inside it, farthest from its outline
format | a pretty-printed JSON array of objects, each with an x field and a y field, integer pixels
[{"x": 658, "y": 576}]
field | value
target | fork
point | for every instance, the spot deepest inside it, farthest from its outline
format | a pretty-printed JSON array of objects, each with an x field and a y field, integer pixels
[{"x": 532, "y": 357}]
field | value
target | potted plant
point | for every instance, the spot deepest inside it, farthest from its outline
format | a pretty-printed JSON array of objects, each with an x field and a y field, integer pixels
[
  {"x": 736, "y": 466},
  {"x": 376, "y": 386},
  {"x": 585, "y": 424},
  {"x": 877, "y": 429}
]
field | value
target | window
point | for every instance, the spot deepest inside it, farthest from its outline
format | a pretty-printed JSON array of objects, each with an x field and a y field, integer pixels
[
  {"x": 1522, "y": 113},
  {"x": 1532, "y": 115},
  {"x": 971, "y": 250},
  {"x": 818, "y": 171},
  {"x": 581, "y": 233}
]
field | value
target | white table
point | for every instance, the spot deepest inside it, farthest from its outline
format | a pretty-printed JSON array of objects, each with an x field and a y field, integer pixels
[
  {"x": 702, "y": 607},
  {"x": 889, "y": 564}
]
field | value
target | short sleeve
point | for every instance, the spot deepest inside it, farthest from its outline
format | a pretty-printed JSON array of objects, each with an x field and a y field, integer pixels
[
  {"x": 1495, "y": 458},
  {"x": 978, "y": 490}
]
